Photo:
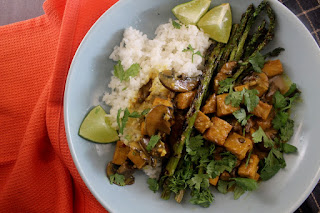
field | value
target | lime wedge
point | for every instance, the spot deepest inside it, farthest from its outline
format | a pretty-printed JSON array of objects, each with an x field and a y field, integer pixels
[
  {"x": 217, "y": 23},
  {"x": 190, "y": 12},
  {"x": 96, "y": 127}
]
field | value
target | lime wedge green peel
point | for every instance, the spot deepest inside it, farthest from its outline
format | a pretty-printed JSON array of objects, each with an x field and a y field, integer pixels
[
  {"x": 191, "y": 12},
  {"x": 96, "y": 127},
  {"x": 217, "y": 23}
]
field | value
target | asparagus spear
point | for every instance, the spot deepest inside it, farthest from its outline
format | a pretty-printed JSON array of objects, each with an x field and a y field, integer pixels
[
  {"x": 193, "y": 111},
  {"x": 252, "y": 43},
  {"x": 245, "y": 34},
  {"x": 240, "y": 29},
  {"x": 269, "y": 36}
]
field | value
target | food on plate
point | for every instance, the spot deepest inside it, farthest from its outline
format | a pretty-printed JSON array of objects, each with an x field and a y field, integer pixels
[{"x": 195, "y": 113}]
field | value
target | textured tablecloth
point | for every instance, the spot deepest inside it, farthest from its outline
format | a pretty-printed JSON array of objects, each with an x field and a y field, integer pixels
[{"x": 37, "y": 173}]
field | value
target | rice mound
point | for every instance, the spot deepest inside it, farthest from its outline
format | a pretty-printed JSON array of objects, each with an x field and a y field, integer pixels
[{"x": 164, "y": 52}]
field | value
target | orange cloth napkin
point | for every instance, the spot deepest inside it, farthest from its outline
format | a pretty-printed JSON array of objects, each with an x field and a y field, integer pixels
[{"x": 37, "y": 173}]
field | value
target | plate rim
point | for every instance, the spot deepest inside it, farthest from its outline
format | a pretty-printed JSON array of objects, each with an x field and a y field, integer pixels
[{"x": 104, "y": 202}]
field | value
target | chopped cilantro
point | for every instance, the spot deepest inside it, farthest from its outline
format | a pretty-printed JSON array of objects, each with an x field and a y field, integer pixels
[
  {"x": 176, "y": 24},
  {"x": 279, "y": 100},
  {"x": 224, "y": 186},
  {"x": 203, "y": 198},
  {"x": 153, "y": 184},
  {"x": 286, "y": 131},
  {"x": 288, "y": 148},
  {"x": 292, "y": 89},
  {"x": 241, "y": 116},
  {"x": 193, "y": 144},
  {"x": 235, "y": 98},
  {"x": 257, "y": 62},
  {"x": 199, "y": 181},
  {"x": 273, "y": 163},
  {"x": 260, "y": 135},
  {"x": 122, "y": 122},
  {"x": 251, "y": 100},
  {"x": 191, "y": 49},
  {"x": 241, "y": 186},
  {"x": 146, "y": 111},
  {"x": 153, "y": 141},
  {"x": 280, "y": 120},
  {"x": 225, "y": 85},
  {"x": 119, "y": 72},
  {"x": 227, "y": 163},
  {"x": 117, "y": 179},
  {"x": 248, "y": 159}
]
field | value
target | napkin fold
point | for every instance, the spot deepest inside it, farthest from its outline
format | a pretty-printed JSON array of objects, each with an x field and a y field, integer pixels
[{"x": 37, "y": 173}]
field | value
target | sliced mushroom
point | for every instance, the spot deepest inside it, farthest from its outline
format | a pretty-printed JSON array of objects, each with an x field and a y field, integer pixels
[
  {"x": 144, "y": 91},
  {"x": 158, "y": 120},
  {"x": 178, "y": 84},
  {"x": 127, "y": 171},
  {"x": 111, "y": 169},
  {"x": 224, "y": 73}
]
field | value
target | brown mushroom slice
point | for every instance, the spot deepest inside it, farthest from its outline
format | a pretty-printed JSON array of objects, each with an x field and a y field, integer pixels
[
  {"x": 158, "y": 120},
  {"x": 144, "y": 91},
  {"x": 111, "y": 169},
  {"x": 175, "y": 84},
  {"x": 127, "y": 171}
]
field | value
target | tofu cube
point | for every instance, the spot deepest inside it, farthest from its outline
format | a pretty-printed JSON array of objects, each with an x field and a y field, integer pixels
[
  {"x": 262, "y": 110},
  {"x": 222, "y": 108},
  {"x": 273, "y": 68},
  {"x": 218, "y": 132},
  {"x": 184, "y": 100},
  {"x": 211, "y": 105},
  {"x": 120, "y": 154},
  {"x": 134, "y": 156},
  {"x": 251, "y": 169},
  {"x": 202, "y": 122},
  {"x": 214, "y": 181},
  {"x": 238, "y": 145}
]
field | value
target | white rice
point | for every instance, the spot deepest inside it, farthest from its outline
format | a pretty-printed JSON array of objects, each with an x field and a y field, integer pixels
[{"x": 164, "y": 52}]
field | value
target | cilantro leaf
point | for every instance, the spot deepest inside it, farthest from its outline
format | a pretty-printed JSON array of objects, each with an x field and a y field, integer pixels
[
  {"x": 257, "y": 62},
  {"x": 193, "y": 144},
  {"x": 135, "y": 115},
  {"x": 198, "y": 181},
  {"x": 237, "y": 192},
  {"x": 203, "y": 198},
  {"x": 191, "y": 49},
  {"x": 227, "y": 163},
  {"x": 153, "y": 184},
  {"x": 274, "y": 53},
  {"x": 225, "y": 85},
  {"x": 286, "y": 131},
  {"x": 251, "y": 100},
  {"x": 117, "y": 179},
  {"x": 273, "y": 163},
  {"x": 224, "y": 186},
  {"x": 179, "y": 179},
  {"x": 119, "y": 72},
  {"x": 288, "y": 148},
  {"x": 279, "y": 100},
  {"x": 280, "y": 120},
  {"x": 241, "y": 116},
  {"x": 133, "y": 71},
  {"x": 176, "y": 24},
  {"x": 152, "y": 142},
  {"x": 246, "y": 183},
  {"x": 234, "y": 98},
  {"x": 258, "y": 135}
]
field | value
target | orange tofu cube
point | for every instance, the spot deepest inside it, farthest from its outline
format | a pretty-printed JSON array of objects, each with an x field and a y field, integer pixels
[
  {"x": 265, "y": 124},
  {"x": 256, "y": 177},
  {"x": 251, "y": 169},
  {"x": 225, "y": 176},
  {"x": 223, "y": 108},
  {"x": 211, "y": 105},
  {"x": 214, "y": 181},
  {"x": 202, "y": 122},
  {"x": 121, "y": 153},
  {"x": 218, "y": 132},
  {"x": 184, "y": 100},
  {"x": 262, "y": 84},
  {"x": 272, "y": 68},
  {"x": 262, "y": 110},
  {"x": 161, "y": 101},
  {"x": 241, "y": 87},
  {"x": 134, "y": 156},
  {"x": 238, "y": 145}
]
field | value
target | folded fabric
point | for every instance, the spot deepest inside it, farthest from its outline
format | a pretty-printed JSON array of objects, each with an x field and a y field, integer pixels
[{"x": 37, "y": 173}]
